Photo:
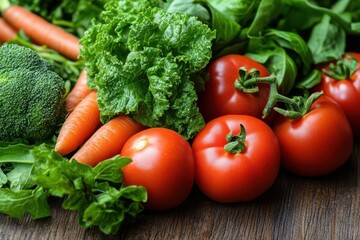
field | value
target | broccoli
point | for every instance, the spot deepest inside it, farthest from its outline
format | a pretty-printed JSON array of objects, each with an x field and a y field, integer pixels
[{"x": 32, "y": 100}]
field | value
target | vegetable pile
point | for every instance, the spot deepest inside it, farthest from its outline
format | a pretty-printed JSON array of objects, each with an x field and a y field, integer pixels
[{"x": 120, "y": 106}]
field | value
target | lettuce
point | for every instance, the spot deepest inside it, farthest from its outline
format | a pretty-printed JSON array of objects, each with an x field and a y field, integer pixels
[{"x": 145, "y": 62}]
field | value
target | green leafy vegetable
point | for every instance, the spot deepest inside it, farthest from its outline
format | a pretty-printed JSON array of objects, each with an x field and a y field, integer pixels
[
  {"x": 67, "y": 69},
  {"x": 29, "y": 174},
  {"x": 32, "y": 95},
  {"x": 18, "y": 193},
  {"x": 96, "y": 193},
  {"x": 141, "y": 61}
]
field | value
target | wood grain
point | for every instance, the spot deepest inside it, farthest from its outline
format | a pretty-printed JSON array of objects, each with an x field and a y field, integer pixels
[{"x": 294, "y": 208}]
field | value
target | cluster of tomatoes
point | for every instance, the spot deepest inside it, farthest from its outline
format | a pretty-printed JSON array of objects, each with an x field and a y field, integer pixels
[{"x": 237, "y": 155}]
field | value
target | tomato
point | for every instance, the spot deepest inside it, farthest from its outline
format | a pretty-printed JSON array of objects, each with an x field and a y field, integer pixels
[
  {"x": 346, "y": 92},
  {"x": 162, "y": 162},
  {"x": 225, "y": 176},
  {"x": 221, "y": 97},
  {"x": 316, "y": 144}
]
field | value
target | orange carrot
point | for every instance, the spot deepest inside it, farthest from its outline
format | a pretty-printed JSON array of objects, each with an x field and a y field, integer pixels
[
  {"x": 80, "y": 124},
  {"x": 107, "y": 141},
  {"x": 42, "y": 31},
  {"x": 7, "y": 32},
  {"x": 78, "y": 92}
]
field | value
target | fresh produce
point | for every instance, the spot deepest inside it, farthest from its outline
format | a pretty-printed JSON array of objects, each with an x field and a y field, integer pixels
[
  {"x": 79, "y": 125},
  {"x": 107, "y": 141},
  {"x": 223, "y": 96},
  {"x": 32, "y": 95},
  {"x": 151, "y": 64},
  {"x": 7, "y": 32},
  {"x": 315, "y": 136},
  {"x": 72, "y": 15},
  {"x": 69, "y": 70},
  {"x": 78, "y": 92},
  {"x": 144, "y": 61},
  {"x": 237, "y": 158},
  {"x": 162, "y": 162},
  {"x": 341, "y": 82},
  {"x": 41, "y": 31},
  {"x": 29, "y": 174}
]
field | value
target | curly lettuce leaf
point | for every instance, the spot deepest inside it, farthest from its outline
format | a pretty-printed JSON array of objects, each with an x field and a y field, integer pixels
[{"x": 141, "y": 59}]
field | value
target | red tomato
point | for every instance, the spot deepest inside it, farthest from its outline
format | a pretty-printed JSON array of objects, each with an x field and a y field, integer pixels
[
  {"x": 221, "y": 97},
  {"x": 234, "y": 177},
  {"x": 162, "y": 162},
  {"x": 316, "y": 144},
  {"x": 346, "y": 92}
]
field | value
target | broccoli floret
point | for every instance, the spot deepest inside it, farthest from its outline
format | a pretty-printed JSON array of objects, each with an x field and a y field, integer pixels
[{"x": 31, "y": 95}]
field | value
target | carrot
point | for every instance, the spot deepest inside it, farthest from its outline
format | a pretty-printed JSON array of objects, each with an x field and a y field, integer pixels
[
  {"x": 7, "y": 32},
  {"x": 78, "y": 92},
  {"x": 42, "y": 31},
  {"x": 107, "y": 141},
  {"x": 80, "y": 124}
]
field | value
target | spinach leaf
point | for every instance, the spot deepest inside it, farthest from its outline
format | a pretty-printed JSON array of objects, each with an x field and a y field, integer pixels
[
  {"x": 327, "y": 41},
  {"x": 18, "y": 193},
  {"x": 276, "y": 60},
  {"x": 266, "y": 12},
  {"x": 18, "y": 203}
]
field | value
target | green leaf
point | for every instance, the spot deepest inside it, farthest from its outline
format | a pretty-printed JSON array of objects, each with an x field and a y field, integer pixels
[
  {"x": 266, "y": 12},
  {"x": 18, "y": 159},
  {"x": 3, "y": 178},
  {"x": 18, "y": 203},
  {"x": 20, "y": 177},
  {"x": 96, "y": 193},
  {"x": 240, "y": 11},
  {"x": 276, "y": 60},
  {"x": 16, "y": 153},
  {"x": 295, "y": 45},
  {"x": 110, "y": 170},
  {"x": 309, "y": 81},
  {"x": 140, "y": 61},
  {"x": 327, "y": 41}
]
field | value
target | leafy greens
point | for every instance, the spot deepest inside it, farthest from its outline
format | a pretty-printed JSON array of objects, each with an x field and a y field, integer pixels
[
  {"x": 145, "y": 62},
  {"x": 29, "y": 174}
]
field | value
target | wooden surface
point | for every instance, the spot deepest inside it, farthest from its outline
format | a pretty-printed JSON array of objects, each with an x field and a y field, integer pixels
[{"x": 294, "y": 208}]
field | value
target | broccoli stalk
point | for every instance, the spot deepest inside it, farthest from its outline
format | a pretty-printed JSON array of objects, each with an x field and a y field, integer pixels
[{"x": 31, "y": 95}]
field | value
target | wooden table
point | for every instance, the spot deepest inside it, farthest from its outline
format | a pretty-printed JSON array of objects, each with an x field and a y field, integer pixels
[{"x": 294, "y": 208}]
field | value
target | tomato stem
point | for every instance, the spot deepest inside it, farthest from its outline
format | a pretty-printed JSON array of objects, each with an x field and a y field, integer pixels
[
  {"x": 236, "y": 144},
  {"x": 247, "y": 80},
  {"x": 343, "y": 69},
  {"x": 299, "y": 105},
  {"x": 296, "y": 106}
]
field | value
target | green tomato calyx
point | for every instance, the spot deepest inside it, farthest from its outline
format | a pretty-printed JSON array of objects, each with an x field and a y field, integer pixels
[
  {"x": 343, "y": 69},
  {"x": 247, "y": 80},
  {"x": 298, "y": 106},
  {"x": 236, "y": 143}
]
